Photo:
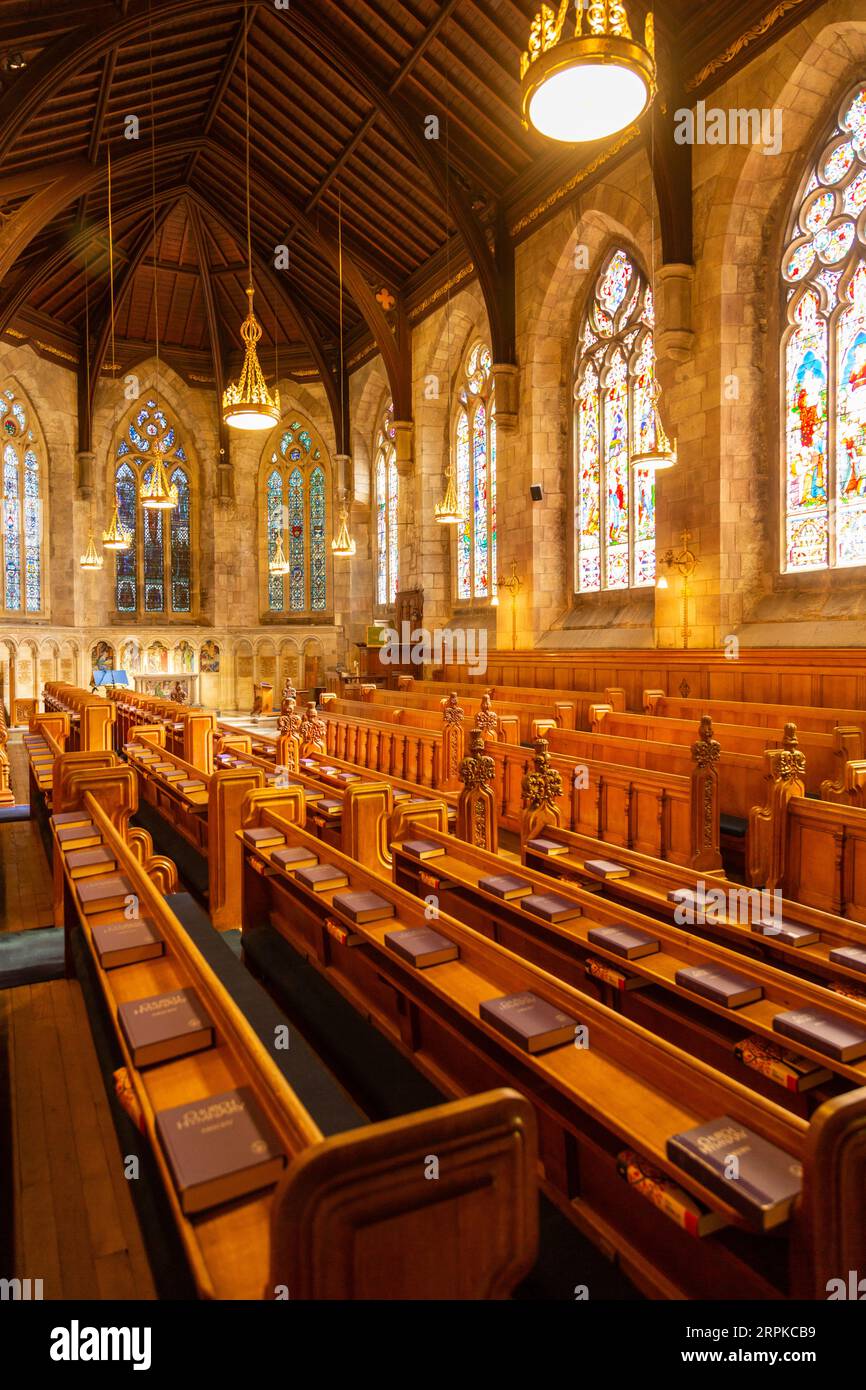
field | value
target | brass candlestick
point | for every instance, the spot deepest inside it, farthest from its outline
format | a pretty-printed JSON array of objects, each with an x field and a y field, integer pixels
[
  {"x": 513, "y": 584},
  {"x": 686, "y": 562}
]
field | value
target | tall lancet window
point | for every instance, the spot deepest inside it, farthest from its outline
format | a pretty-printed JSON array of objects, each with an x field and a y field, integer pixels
[
  {"x": 23, "y": 522},
  {"x": 294, "y": 492},
  {"x": 824, "y": 354},
  {"x": 155, "y": 573},
  {"x": 387, "y": 497},
  {"x": 614, "y": 501},
  {"x": 475, "y": 477}
]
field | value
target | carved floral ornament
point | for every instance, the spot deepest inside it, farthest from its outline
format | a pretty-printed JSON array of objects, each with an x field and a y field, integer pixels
[
  {"x": 787, "y": 763},
  {"x": 541, "y": 784},
  {"x": 477, "y": 768},
  {"x": 487, "y": 720},
  {"x": 707, "y": 750},
  {"x": 312, "y": 728},
  {"x": 452, "y": 712}
]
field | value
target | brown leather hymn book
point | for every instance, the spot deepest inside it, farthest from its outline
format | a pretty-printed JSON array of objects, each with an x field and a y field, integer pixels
[
  {"x": 79, "y": 836},
  {"x": 322, "y": 877},
  {"x": 551, "y": 848},
  {"x": 294, "y": 857},
  {"x": 65, "y": 819},
  {"x": 530, "y": 1022},
  {"x": 219, "y": 1148},
  {"x": 788, "y": 933},
  {"x": 550, "y": 907},
  {"x": 852, "y": 956},
  {"x": 422, "y": 946},
  {"x": 628, "y": 942},
  {"x": 164, "y": 1026},
  {"x": 422, "y": 849},
  {"x": 605, "y": 868},
  {"x": 103, "y": 894},
  {"x": 84, "y": 863},
  {"x": 722, "y": 986},
  {"x": 826, "y": 1032},
  {"x": 264, "y": 837},
  {"x": 505, "y": 887},
  {"x": 125, "y": 943},
  {"x": 746, "y": 1171},
  {"x": 364, "y": 906}
]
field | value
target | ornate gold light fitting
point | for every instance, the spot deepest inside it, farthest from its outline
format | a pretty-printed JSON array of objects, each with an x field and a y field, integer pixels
[
  {"x": 248, "y": 404},
  {"x": 279, "y": 564},
  {"x": 343, "y": 546},
  {"x": 447, "y": 512},
  {"x": 91, "y": 559},
  {"x": 664, "y": 453},
  {"x": 156, "y": 494},
  {"x": 592, "y": 83},
  {"x": 116, "y": 538}
]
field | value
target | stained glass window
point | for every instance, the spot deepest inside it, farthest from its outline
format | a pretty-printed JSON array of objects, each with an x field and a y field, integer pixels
[
  {"x": 275, "y": 526},
  {"x": 475, "y": 480},
  {"x": 21, "y": 534},
  {"x": 824, "y": 349},
  {"x": 294, "y": 495},
  {"x": 387, "y": 502},
  {"x": 615, "y": 501},
  {"x": 317, "y": 540},
  {"x": 155, "y": 574}
]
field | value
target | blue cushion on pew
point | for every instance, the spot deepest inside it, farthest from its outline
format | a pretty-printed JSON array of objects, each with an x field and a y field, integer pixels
[{"x": 13, "y": 813}]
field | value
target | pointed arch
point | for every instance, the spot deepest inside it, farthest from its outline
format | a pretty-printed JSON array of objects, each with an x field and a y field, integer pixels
[
  {"x": 294, "y": 505},
  {"x": 25, "y": 500},
  {"x": 157, "y": 573},
  {"x": 613, "y": 379},
  {"x": 823, "y": 352}
]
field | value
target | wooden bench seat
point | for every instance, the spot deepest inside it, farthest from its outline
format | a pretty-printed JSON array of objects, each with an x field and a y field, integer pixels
[
  {"x": 524, "y": 696},
  {"x": 808, "y": 718},
  {"x": 519, "y": 714},
  {"x": 629, "y": 1088},
  {"x": 327, "y": 1229}
]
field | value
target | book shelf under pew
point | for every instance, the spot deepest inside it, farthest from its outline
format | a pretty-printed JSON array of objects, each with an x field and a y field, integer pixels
[
  {"x": 651, "y": 991},
  {"x": 650, "y": 882},
  {"x": 630, "y": 1089},
  {"x": 308, "y": 1235}
]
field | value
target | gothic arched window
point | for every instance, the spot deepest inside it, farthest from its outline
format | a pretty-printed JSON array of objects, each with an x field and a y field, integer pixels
[
  {"x": 824, "y": 354},
  {"x": 23, "y": 522},
  {"x": 475, "y": 478},
  {"x": 614, "y": 501},
  {"x": 387, "y": 495},
  {"x": 154, "y": 575},
  {"x": 294, "y": 488}
]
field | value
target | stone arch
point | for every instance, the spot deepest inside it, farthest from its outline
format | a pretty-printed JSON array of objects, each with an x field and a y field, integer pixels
[{"x": 738, "y": 285}]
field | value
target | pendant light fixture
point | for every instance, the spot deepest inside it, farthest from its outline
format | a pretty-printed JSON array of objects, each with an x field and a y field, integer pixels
[
  {"x": 247, "y": 403},
  {"x": 115, "y": 538},
  {"x": 342, "y": 546},
  {"x": 592, "y": 82},
  {"x": 447, "y": 512},
  {"x": 91, "y": 559}
]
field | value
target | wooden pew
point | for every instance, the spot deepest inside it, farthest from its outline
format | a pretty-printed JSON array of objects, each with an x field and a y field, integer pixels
[
  {"x": 652, "y": 997},
  {"x": 670, "y": 814},
  {"x": 502, "y": 727},
  {"x": 91, "y": 717},
  {"x": 826, "y": 753},
  {"x": 515, "y": 715},
  {"x": 338, "y": 1222},
  {"x": 7, "y": 795},
  {"x": 629, "y": 1088},
  {"x": 522, "y": 695},
  {"x": 808, "y": 718}
]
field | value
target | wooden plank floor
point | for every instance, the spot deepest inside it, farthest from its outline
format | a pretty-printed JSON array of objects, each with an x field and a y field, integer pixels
[
  {"x": 74, "y": 1222},
  {"x": 25, "y": 874}
]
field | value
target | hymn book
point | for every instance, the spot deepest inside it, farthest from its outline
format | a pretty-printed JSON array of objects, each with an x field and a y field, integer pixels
[
  {"x": 532, "y": 1023},
  {"x": 550, "y": 907},
  {"x": 422, "y": 849},
  {"x": 322, "y": 878},
  {"x": 720, "y": 985},
  {"x": 505, "y": 887},
  {"x": 852, "y": 956},
  {"x": 421, "y": 946},
  {"x": 163, "y": 1026},
  {"x": 788, "y": 933},
  {"x": 363, "y": 906},
  {"x": 666, "y": 1195},
  {"x": 294, "y": 857},
  {"x": 84, "y": 863},
  {"x": 104, "y": 894},
  {"x": 826, "y": 1032},
  {"x": 126, "y": 943},
  {"x": 785, "y": 1068},
  {"x": 550, "y": 848},
  {"x": 81, "y": 835},
  {"x": 219, "y": 1148},
  {"x": 747, "y": 1172},
  {"x": 628, "y": 942},
  {"x": 605, "y": 868},
  {"x": 264, "y": 837}
]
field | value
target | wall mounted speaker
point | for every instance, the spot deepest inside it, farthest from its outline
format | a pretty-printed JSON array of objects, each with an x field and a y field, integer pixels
[{"x": 536, "y": 492}]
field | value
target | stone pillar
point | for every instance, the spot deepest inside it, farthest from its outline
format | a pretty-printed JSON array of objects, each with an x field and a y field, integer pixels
[
  {"x": 506, "y": 387},
  {"x": 675, "y": 339},
  {"x": 84, "y": 461}
]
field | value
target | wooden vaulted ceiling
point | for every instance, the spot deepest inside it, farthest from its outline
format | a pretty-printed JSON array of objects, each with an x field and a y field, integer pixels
[{"x": 339, "y": 92}]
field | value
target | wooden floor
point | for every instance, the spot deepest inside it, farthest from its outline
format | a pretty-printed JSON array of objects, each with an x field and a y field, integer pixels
[
  {"x": 25, "y": 875},
  {"x": 73, "y": 1220}
]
